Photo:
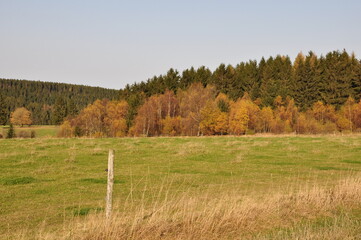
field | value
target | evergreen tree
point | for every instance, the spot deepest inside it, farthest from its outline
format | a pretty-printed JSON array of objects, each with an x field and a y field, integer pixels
[
  {"x": 3, "y": 111},
  {"x": 223, "y": 77},
  {"x": 306, "y": 87},
  {"x": 336, "y": 79},
  {"x": 34, "y": 95},
  {"x": 355, "y": 75},
  {"x": 60, "y": 111},
  {"x": 203, "y": 76},
  {"x": 134, "y": 101},
  {"x": 71, "y": 108},
  {"x": 188, "y": 77},
  {"x": 171, "y": 80},
  {"x": 11, "y": 132},
  {"x": 268, "y": 88}
]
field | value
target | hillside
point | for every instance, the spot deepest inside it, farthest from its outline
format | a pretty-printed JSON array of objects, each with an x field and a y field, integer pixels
[{"x": 40, "y": 97}]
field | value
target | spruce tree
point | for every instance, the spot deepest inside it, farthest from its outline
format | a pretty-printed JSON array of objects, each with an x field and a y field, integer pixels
[
  {"x": 188, "y": 77},
  {"x": 71, "y": 108},
  {"x": 60, "y": 111},
  {"x": 171, "y": 80},
  {"x": 306, "y": 81},
  {"x": 3, "y": 111}
]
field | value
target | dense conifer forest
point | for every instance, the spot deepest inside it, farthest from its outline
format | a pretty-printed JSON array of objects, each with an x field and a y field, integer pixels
[
  {"x": 48, "y": 102},
  {"x": 309, "y": 78}
]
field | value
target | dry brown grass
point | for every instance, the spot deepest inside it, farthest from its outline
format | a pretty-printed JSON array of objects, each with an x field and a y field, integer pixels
[{"x": 227, "y": 216}]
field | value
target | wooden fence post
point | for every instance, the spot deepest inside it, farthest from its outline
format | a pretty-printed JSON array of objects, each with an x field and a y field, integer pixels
[{"x": 108, "y": 209}]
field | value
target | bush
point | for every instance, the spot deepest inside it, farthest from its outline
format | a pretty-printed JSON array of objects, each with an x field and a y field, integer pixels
[
  {"x": 23, "y": 134},
  {"x": 32, "y": 134},
  {"x": 66, "y": 130},
  {"x": 11, "y": 132},
  {"x": 78, "y": 132}
]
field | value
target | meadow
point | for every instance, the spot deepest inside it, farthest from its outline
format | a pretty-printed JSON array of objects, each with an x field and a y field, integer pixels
[
  {"x": 41, "y": 131},
  {"x": 256, "y": 187}
]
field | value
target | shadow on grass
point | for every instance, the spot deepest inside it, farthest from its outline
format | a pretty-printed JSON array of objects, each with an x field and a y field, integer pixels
[{"x": 99, "y": 180}]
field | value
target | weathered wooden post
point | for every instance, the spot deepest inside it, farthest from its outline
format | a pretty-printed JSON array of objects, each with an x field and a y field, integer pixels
[{"x": 108, "y": 209}]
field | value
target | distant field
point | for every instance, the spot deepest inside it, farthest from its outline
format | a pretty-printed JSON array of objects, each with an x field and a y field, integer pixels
[
  {"x": 41, "y": 131},
  {"x": 47, "y": 185}
]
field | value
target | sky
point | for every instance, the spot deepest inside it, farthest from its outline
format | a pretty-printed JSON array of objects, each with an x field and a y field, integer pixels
[{"x": 114, "y": 43}]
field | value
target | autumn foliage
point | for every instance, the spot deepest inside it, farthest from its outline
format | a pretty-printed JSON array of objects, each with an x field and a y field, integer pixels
[
  {"x": 200, "y": 111},
  {"x": 103, "y": 118},
  {"x": 21, "y": 116}
]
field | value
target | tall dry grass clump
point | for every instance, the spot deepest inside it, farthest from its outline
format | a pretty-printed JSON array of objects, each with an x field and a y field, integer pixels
[{"x": 224, "y": 216}]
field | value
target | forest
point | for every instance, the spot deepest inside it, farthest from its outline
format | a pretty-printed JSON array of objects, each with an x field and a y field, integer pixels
[
  {"x": 48, "y": 102},
  {"x": 312, "y": 94}
]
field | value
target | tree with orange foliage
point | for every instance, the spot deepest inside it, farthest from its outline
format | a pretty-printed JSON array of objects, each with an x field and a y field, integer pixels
[
  {"x": 66, "y": 130},
  {"x": 102, "y": 118},
  {"x": 286, "y": 114},
  {"x": 116, "y": 112},
  {"x": 266, "y": 119},
  {"x": 319, "y": 111},
  {"x": 21, "y": 116},
  {"x": 191, "y": 102},
  {"x": 347, "y": 110},
  {"x": 156, "y": 111},
  {"x": 91, "y": 119},
  {"x": 147, "y": 122}
]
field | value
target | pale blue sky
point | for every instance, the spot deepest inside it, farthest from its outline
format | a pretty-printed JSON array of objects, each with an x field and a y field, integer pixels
[{"x": 111, "y": 43}]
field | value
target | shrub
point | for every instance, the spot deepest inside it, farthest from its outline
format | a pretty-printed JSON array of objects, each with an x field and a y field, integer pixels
[
  {"x": 32, "y": 134},
  {"x": 11, "y": 132},
  {"x": 78, "y": 132},
  {"x": 66, "y": 130},
  {"x": 23, "y": 134}
]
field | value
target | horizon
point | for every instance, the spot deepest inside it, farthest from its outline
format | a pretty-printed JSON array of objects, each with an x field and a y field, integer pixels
[{"x": 112, "y": 44}]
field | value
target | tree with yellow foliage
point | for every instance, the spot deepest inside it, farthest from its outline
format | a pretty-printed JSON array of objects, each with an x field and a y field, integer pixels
[
  {"x": 171, "y": 126},
  {"x": 116, "y": 112},
  {"x": 238, "y": 118},
  {"x": 209, "y": 115},
  {"x": 66, "y": 130},
  {"x": 266, "y": 119},
  {"x": 100, "y": 119},
  {"x": 21, "y": 116}
]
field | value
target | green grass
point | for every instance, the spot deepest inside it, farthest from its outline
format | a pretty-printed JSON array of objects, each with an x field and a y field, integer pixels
[
  {"x": 41, "y": 131},
  {"x": 53, "y": 180}
]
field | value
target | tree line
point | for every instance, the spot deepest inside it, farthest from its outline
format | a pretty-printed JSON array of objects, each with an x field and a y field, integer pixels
[
  {"x": 48, "y": 102},
  {"x": 330, "y": 79},
  {"x": 200, "y": 110},
  {"x": 240, "y": 97}
]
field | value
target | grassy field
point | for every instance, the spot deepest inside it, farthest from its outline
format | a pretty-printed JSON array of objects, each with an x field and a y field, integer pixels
[
  {"x": 41, "y": 131},
  {"x": 50, "y": 187}
]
